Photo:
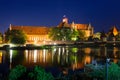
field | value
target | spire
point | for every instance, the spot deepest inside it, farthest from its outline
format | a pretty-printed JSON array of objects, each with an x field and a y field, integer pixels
[
  {"x": 115, "y": 31},
  {"x": 89, "y": 26},
  {"x": 65, "y": 19},
  {"x": 91, "y": 29},
  {"x": 10, "y": 26},
  {"x": 73, "y": 25}
]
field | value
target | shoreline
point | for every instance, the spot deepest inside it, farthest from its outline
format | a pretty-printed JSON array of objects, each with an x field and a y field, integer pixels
[{"x": 72, "y": 44}]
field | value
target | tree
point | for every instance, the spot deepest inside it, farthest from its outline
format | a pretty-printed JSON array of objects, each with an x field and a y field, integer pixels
[
  {"x": 55, "y": 33},
  {"x": 15, "y": 37},
  {"x": 40, "y": 74},
  {"x": 100, "y": 72},
  {"x": 118, "y": 37},
  {"x": 63, "y": 33},
  {"x": 75, "y": 35},
  {"x": 21, "y": 73},
  {"x": 17, "y": 72},
  {"x": 81, "y": 35}
]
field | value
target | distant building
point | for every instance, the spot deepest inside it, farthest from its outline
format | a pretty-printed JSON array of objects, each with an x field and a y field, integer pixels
[
  {"x": 39, "y": 34},
  {"x": 35, "y": 34},
  {"x": 103, "y": 36},
  {"x": 86, "y": 28},
  {"x": 113, "y": 32}
]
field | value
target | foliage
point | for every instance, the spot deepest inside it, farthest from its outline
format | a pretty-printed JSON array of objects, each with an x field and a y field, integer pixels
[
  {"x": 40, "y": 74},
  {"x": 75, "y": 35},
  {"x": 81, "y": 34},
  {"x": 118, "y": 37},
  {"x": 63, "y": 33},
  {"x": 113, "y": 72},
  {"x": 15, "y": 37},
  {"x": 97, "y": 71},
  {"x": 75, "y": 50},
  {"x": 54, "y": 33},
  {"x": 17, "y": 72}
]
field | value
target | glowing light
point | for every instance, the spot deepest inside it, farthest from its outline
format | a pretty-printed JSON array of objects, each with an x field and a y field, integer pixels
[
  {"x": 75, "y": 50},
  {"x": 26, "y": 54},
  {"x": 74, "y": 38},
  {"x": 54, "y": 50},
  {"x": 87, "y": 50},
  {"x": 35, "y": 56},
  {"x": 115, "y": 60},
  {"x": 44, "y": 51},
  {"x": 11, "y": 56},
  {"x": 59, "y": 51},
  {"x": 55, "y": 43},
  {"x": 63, "y": 49},
  {"x": 0, "y": 57},
  {"x": 44, "y": 42},
  {"x": 35, "y": 42},
  {"x": 11, "y": 45},
  {"x": 115, "y": 31},
  {"x": 87, "y": 60}
]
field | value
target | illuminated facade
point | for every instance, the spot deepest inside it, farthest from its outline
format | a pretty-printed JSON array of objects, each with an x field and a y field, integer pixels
[
  {"x": 86, "y": 28},
  {"x": 35, "y": 34},
  {"x": 39, "y": 34},
  {"x": 113, "y": 31}
]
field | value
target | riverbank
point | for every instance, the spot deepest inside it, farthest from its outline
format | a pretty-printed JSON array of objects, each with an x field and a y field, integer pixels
[{"x": 72, "y": 44}]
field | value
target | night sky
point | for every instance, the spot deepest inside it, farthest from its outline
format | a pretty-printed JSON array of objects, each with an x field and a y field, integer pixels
[{"x": 102, "y": 14}]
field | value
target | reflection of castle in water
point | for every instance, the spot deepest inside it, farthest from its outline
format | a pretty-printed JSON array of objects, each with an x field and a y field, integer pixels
[
  {"x": 63, "y": 56},
  {"x": 68, "y": 57}
]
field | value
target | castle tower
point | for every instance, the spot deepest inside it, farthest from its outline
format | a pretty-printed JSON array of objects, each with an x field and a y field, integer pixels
[
  {"x": 65, "y": 19},
  {"x": 10, "y": 26},
  {"x": 91, "y": 29},
  {"x": 115, "y": 31},
  {"x": 73, "y": 25}
]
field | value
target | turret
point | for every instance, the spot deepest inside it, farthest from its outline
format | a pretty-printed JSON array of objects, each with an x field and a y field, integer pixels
[{"x": 65, "y": 19}]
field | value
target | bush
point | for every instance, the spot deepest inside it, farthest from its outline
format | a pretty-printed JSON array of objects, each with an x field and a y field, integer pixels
[
  {"x": 38, "y": 73},
  {"x": 17, "y": 72}
]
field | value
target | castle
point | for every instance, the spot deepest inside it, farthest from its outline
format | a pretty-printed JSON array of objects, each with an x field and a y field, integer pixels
[{"x": 39, "y": 34}]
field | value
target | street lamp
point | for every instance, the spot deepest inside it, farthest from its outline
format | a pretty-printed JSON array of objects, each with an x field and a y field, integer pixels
[{"x": 107, "y": 62}]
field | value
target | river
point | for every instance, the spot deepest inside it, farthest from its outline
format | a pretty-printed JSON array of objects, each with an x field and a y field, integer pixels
[{"x": 58, "y": 58}]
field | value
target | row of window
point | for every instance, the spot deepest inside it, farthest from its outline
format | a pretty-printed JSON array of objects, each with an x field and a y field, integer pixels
[{"x": 38, "y": 38}]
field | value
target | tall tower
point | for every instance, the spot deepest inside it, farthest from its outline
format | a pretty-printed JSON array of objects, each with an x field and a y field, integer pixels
[
  {"x": 115, "y": 31},
  {"x": 73, "y": 25},
  {"x": 91, "y": 29},
  {"x": 65, "y": 19}
]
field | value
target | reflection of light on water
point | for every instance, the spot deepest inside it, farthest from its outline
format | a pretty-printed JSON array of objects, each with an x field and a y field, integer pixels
[
  {"x": 75, "y": 63},
  {"x": 67, "y": 56},
  {"x": 26, "y": 54},
  {"x": 11, "y": 56},
  {"x": 87, "y": 50},
  {"x": 87, "y": 60},
  {"x": 54, "y": 50},
  {"x": 59, "y": 51},
  {"x": 53, "y": 53},
  {"x": 63, "y": 50},
  {"x": 115, "y": 60},
  {"x": 35, "y": 56},
  {"x": 43, "y": 55},
  {"x": 77, "y": 66},
  {"x": 0, "y": 57},
  {"x": 115, "y": 51}
]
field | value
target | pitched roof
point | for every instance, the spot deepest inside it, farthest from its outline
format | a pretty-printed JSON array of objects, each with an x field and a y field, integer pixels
[
  {"x": 81, "y": 26},
  {"x": 114, "y": 30},
  {"x": 31, "y": 30}
]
